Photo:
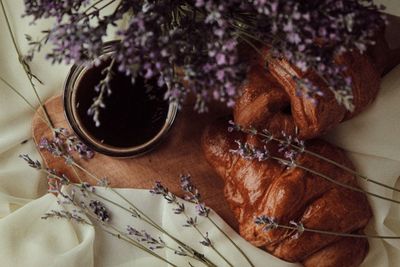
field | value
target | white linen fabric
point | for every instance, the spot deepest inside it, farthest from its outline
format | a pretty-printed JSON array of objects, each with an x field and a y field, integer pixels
[{"x": 27, "y": 240}]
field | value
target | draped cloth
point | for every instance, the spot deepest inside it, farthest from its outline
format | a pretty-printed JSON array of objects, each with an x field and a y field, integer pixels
[{"x": 371, "y": 139}]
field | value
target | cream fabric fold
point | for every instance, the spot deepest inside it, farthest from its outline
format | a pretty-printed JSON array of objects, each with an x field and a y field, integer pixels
[
  {"x": 28, "y": 240},
  {"x": 376, "y": 131},
  {"x": 121, "y": 254}
]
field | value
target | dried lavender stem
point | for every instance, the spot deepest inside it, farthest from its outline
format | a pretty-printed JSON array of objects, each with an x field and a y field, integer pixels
[
  {"x": 197, "y": 201},
  {"x": 24, "y": 99},
  {"x": 233, "y": 243},
  {"x": 77, "y": 174},
  {"x": 100, "y": 8},
  {"x": 20, "y": 57},
  {"x": 334, "y": 181},
  {"x": 139, "y": 245},
  {"x": 129, "y": 211},
  {"x": 348, "y": 169},
  {"x": 148, "y": 220},
  {"x": 94, "y": 109},
  {"x": 203, "y": 236},
  {"x": 336, "y": 233},
  {"x": 121, "y": 234},
  {"x": 194, "y": 197},
  {"x": 300, "y": 149},
  {"x": 92, "y": 6}
]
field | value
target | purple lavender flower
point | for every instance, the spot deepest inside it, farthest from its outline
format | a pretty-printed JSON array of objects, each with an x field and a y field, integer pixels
[
  {"x": 249, "y": 152},
  {"x": 63, "y": 143},
  {"x": 32, "y": 163},
  {"x": 202, "y": 210},
  {"x": 267, "y": 222},
  {"x": 103, "y": 182},
  {"x": 133, "y": 231},
  {"x": 179, "y": 209},
  {"x": 206, "y": 241},
  {"x": 191, "y": 222},
  {"x": 193, "y": 194},
  {"x": 62, "y": 214},
  {"x": 194, "y": 46},
  {"x": 99, "y": 210},
  {"x": 299, "y": 229},
  {"x": 159, "y": 189},
  {"x": 144, "y": 236},
  {"x": 51, "y": 146}
]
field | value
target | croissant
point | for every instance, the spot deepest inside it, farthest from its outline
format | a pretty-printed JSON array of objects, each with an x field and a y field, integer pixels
[
  {"x": 254, "y": 188},
  {"x": 270, "y": 98}
]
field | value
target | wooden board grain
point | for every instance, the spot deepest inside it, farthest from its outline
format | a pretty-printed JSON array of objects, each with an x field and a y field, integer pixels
[{"x": 179, "y": 154}]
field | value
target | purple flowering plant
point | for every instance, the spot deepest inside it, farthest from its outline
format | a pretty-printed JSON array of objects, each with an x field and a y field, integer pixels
[{"x": 196, "y": 45}]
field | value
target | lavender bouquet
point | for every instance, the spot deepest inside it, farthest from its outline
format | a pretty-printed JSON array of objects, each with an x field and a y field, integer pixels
[{"x": 194, "y": 45}]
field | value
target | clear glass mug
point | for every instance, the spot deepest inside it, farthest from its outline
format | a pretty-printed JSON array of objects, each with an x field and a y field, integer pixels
[{"x": 76, "y": 123}]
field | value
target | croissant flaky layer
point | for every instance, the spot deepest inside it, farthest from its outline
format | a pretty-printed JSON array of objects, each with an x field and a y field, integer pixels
[
  {"x": 254, "y": 188},
  {"x": 270, "y": 96}
]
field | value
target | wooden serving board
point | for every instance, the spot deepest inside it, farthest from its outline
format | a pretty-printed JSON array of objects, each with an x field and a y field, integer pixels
[{"x": 179, "y": 154}]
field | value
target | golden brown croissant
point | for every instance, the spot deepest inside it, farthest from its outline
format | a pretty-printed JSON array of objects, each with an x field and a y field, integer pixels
[
  {"x": 254, "y": 188},
  {"x": 270, "y": 98}
]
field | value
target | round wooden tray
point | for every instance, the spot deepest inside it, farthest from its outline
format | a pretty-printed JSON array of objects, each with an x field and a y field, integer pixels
[{"x": 179, "y": 154}]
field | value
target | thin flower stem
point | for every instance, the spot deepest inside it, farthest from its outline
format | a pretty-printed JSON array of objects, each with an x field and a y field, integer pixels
[
  {"x": 20, "y": 58},
  {"x": 144, "y": 219},
  {"x": 100, "y": 8},
  {"x": 251, "y": 44},
  {"x": 349, "y": 170},
  {"x": 92, "y": 6},
  {"x": 211, "y": 245},
  {"x": 148, "y": 220},
  {"x": 77, "y": 174},
  {"x": 121, "y": 234},
  {"x": 203, "y": 236},
  {"x": 194, "y": 197},
  {"x": 136, "y": 245},
  {"x": 196, "y": 201},
  {"x": 334, "y": 181},
  {"x": 141, "y": 246},
  {"x": 18, "y": 93},
  {"x": 233, "y": 243},
  {"x": 336, "y": 233},
  {"x": 24, "y": 99},
  {"x": 309, "y": 152}
]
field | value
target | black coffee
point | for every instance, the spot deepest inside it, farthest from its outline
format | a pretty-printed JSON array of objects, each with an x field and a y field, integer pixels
[{"x": 134, "y": 113}]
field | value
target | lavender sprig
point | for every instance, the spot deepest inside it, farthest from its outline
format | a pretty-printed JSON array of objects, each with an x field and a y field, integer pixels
[
  {"x": 194, "y": 196},
  {"x": 27, "y": 70},
  {"x": 138, "y": 213},
  {"x": 96, "y": 210},
  {"x": 32, "y": 163},
  {"x": 99, "y": 210},
  {"x": 159, "y": 189},
  {"x": 295, "y": 146},
  {"x": 197, "y": 43},
  {"x": 103, "y": 182},
  {"x": 62, "y": 214},
  {"x": 144, "y": 236},
  {"x": 269, "y": 224},
  {"x": 249, "y": 152},
  {"x": 103, "y": 89},
  {"x": 206, "y": 242},
  {"x": 63, "y": 144}
]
